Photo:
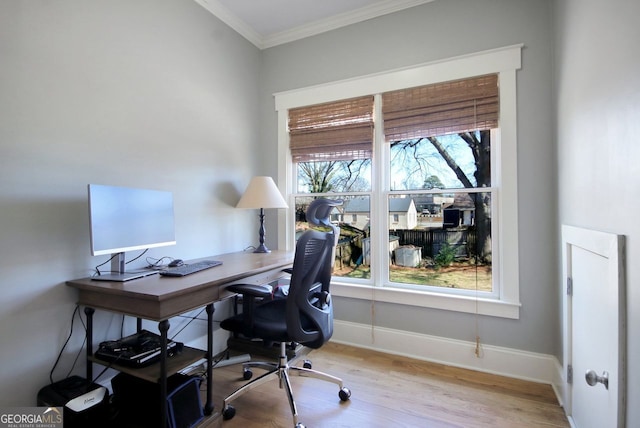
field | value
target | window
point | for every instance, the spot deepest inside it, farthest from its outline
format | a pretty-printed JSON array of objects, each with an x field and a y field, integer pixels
[
  {"x": 424, "y": 159},
  {"x": 439, "y": 138}
]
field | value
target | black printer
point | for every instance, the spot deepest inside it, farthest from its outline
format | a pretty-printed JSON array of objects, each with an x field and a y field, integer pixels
[{"x": 85, "y": 403}]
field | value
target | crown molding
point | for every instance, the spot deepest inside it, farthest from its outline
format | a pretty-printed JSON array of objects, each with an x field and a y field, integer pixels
[
  {"x": 337, "y": 21},
  {"x": 381, "y": 8},
  {"x": 232, "y": 20}
]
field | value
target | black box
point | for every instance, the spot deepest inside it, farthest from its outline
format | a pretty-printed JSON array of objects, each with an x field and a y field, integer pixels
[
  {"x": 85, "y": 403},
  {"x": 137, "y": 401}
]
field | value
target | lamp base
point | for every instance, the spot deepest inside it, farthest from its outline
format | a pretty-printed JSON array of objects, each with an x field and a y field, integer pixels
[{"x": 262, "y": 249}]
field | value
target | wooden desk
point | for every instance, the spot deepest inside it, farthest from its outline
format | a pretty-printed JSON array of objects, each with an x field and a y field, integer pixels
[{"x": 159, "y": 298}]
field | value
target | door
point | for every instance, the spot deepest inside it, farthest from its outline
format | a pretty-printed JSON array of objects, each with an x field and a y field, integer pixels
[{"x": 594, "y": 333}]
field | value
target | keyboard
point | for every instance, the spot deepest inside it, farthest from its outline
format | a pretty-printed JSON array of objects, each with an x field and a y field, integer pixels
[{"x": 188, "y": 269}]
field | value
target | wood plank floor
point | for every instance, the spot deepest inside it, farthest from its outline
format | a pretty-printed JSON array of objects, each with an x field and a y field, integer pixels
[{"x": 391, "y": 391}]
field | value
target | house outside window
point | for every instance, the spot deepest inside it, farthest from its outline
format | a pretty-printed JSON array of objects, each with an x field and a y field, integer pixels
[{"x": 430, "y": 200}]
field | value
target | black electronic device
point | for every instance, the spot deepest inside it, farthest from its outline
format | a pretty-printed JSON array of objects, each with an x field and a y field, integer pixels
[
  {"x": 85, "y": 403},
  {"x": 137, "y": 350},
  {"x": 137, "y": 401},
  {"x": 175, "y": 263}
]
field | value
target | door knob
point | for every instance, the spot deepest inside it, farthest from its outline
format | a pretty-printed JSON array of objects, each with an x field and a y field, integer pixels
[{"x": 593, "y": 379}]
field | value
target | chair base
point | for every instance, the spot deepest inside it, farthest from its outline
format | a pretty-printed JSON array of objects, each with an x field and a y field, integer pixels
[
  {"x": 257, "y": 347},
  {"x": 280, "y": 371}
]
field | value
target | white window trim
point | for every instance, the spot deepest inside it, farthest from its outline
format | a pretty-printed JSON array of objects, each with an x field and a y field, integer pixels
[{"x": 504, "y": 61}]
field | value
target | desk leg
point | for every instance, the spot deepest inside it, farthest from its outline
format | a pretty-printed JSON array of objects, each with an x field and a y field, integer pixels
[
  {"x": 89, "y": 313},
  {"x": 208, "y": 408},
  {"x": 138, "y": 325},
  {"x": 163, "y": 326}
]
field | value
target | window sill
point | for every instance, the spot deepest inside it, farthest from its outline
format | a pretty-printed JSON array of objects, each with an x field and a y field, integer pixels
[{"x": 426, "y": 299}]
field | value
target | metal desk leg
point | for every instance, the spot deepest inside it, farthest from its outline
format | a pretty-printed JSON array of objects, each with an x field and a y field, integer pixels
[
  {"x": 163, "y": 326},
  {"x": 89, "y": 313},
  {"x": 208, "y": 408}
]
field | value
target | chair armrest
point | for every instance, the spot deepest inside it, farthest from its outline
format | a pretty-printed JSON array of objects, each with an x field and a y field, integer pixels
[
  {"x": 250, "y": 293},
  {"x": 263, "y": 291}
]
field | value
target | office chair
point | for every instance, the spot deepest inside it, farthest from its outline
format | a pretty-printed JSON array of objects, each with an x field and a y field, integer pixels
[
  {"x": 305, "y": 316},
  {"x": 248, "y": 295}
]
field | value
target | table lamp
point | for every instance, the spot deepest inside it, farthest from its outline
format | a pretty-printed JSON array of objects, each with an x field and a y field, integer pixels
[{"x": 262, "y": 193}]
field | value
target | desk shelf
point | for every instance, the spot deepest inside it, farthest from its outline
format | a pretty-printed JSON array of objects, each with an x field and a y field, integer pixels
[{"x": 151, "y": 373}]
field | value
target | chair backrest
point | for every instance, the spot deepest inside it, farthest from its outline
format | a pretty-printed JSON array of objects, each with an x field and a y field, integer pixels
[
  {"x": 319, "y": 214},
  {"x": 309, "y": 307}
]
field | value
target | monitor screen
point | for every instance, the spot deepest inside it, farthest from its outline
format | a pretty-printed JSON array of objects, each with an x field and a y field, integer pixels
[{"x": 126, "y": 219}]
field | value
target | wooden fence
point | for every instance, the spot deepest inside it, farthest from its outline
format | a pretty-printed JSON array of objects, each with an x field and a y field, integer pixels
[{"x": 431, "y": 241}]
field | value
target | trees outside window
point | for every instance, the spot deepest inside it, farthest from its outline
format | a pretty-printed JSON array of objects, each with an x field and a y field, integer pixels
[{"x": 434, "y": 169}]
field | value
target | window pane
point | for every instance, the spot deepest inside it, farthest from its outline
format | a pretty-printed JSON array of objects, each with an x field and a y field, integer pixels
[
  {"x": 441, "y": 240},
  {"x": 444, "y": 162},
  {"x": 334, "y": 176},
  {"x": 352, "y": 252}
]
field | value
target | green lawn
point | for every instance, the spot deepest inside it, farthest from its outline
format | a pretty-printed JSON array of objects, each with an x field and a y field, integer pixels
[{"x": 459, "y": 275}]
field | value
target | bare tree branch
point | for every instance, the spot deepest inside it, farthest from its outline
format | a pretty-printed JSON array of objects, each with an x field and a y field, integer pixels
[{"x": 451, "y": 162}]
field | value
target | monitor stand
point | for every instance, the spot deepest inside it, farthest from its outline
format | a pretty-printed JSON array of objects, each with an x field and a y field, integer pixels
[
  {"x": 118, "y": 273},
  {"x": 123, "y": 277}
]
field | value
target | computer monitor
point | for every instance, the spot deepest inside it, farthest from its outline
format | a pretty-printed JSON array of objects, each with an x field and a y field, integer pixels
[{"x": 126, "y": 219}]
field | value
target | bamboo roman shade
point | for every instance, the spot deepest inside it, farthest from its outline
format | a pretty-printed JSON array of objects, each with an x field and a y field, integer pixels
[
  {"x": 441, "y": 108},
  {"x": 340, "y": 130}
]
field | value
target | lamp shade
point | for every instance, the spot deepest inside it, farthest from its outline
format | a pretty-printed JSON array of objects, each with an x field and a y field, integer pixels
[{"x": 262, "y": 192}]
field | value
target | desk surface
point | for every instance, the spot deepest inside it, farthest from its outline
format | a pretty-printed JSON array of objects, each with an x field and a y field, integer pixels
[{"x": 159, "y": 297}]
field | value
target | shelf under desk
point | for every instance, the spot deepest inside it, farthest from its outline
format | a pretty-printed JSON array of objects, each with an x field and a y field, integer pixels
[{"x": 151, "y": 373}]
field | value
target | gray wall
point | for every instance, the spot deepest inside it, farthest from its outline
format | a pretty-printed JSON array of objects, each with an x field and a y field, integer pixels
[
  {"x": 440, "y": 30},
  {"x": 597, "y": 76},
  {"x": 145, "y": 93},
  {"x": 161, "y": 94}
]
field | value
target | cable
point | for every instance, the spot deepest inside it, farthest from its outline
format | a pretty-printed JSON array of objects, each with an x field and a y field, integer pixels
[
  {"x": 122, "y": 326},
  {"x": 55, "y": 364},
  {"x": 155, "y": 263},
  {"x": 97, "y": 271},
  {"x": 136, "y": 258},
  {"x": 187, "y": 324},
  {"x": 103, "y": 370},
  {"x": 75, "y": 361}
]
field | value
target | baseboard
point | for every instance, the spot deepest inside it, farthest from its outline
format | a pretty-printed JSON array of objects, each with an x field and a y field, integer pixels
[{"x": 513, "y": 363}]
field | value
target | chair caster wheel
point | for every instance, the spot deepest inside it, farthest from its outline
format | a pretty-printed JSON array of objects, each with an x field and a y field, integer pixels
[
  {"x": 247, "y": 374},
  {"x": 307, "y": 364},
  {"x": 299, "y": 425},
  {"x": 228, "y": 413},
  {"x": 344, "y": 394}
]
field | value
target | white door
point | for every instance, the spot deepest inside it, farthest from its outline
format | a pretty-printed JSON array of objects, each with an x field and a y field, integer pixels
[{"x": 594, "y": 333}]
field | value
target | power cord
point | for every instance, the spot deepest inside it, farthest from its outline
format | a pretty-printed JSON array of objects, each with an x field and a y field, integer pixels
[
  {"x": 55, "y": 364},
  {"x": 97, "y": 270},
  {"x": 192, "y": 319},
  {"x": 153, "y": 263}
]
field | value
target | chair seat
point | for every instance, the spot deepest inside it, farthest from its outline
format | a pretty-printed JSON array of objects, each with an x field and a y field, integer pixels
[{"x": 268, "y": 322}]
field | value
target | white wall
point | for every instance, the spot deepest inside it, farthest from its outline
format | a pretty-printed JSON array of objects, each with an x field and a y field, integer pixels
[
  {"x": 435, "y": 31},
  {"x": 147, "y": 93},
  {"x": 598, "y": 136}
]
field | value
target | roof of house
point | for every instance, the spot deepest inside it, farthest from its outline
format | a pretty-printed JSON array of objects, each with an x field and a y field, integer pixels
[
  {"x": 462, "y": 201},
  {"x": 359, "y": 205}
]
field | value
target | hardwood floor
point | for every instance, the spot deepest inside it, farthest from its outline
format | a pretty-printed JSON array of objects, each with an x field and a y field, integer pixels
[{"x": 391, "y": 391}]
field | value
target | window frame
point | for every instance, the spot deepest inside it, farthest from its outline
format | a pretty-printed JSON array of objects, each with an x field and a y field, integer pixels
[{"x": 503, "y": 61}]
